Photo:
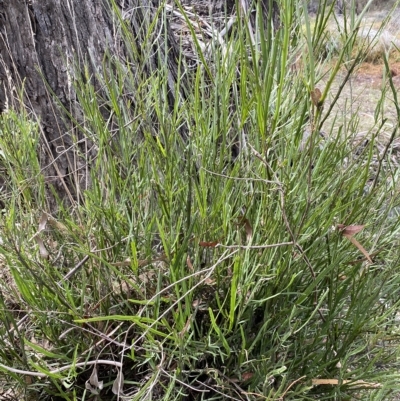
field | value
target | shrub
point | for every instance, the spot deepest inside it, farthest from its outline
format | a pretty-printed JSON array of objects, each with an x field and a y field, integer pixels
[{"x": 187, "y": 273}]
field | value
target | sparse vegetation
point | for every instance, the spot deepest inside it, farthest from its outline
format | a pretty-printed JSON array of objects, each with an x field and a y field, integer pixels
[{"x": 186, "y": 271}]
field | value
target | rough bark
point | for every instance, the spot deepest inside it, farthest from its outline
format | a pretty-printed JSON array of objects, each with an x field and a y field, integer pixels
[
  {"x": 271, "y": 12},
  {"x": 345, "y": 5},
  {"x": 41, "y": 42}
]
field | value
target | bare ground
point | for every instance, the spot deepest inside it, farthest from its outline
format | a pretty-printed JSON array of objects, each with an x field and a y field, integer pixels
[{"x": 361, "y": 98}]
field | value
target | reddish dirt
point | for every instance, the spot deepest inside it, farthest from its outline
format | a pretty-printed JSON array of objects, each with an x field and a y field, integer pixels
[
  {"x": 365, "y": 100},
  {"x": 372, "y": 74}
]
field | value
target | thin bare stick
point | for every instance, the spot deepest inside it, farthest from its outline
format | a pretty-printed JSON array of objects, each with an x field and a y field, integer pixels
[
  {"x": 254, "y": 246},
  {"x": 283, "y": 209},
  {"x": 281, "y": 398},
  {"x": 74, "y": 270},
  {"x": 184, "y": 384}
]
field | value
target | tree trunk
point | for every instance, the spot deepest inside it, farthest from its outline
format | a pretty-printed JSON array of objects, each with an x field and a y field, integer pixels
[{"x": 41, "y": 42}]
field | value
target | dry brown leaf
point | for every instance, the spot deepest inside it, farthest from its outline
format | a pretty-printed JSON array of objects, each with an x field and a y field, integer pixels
[
  {"x": 350, "y": 230},
  {"x": 42, "y": 222},
  {"x": 248, "y": 228},
  {"x": 316, "y": 96},
  {"x": 118, "y": 383},
  {"x": 209, "y": 281},
  {"x": 186, "y": 327},
  {"x": 147, "y": 277},
  {"x": 361, "y": 260},
  {"x": 189, "y": 264},
  {"x": 199, "y": 304},
  {"x": 361, "y": 248},
  {"x": 247, "y": 375},
  {"x": 211, "y": 244},
  {"x": 93, "y": 384},
  {"x": 42, "y": 249},
  {"x": 41, "y": 226}
]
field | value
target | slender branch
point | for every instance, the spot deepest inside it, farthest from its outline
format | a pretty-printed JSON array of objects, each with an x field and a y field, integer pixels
[
  {"x": 241, "y": 178},
  {"x": 55, "y": 371},
  {"x": 74, "y": 270},
  {"x": 254, "y": 246},
  {"x": 286, "y": 220},
  {"x": 283, "y": 209}
]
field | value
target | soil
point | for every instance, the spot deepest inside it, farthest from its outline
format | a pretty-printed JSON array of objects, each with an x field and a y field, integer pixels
[{"x": 362, "y": 107}]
